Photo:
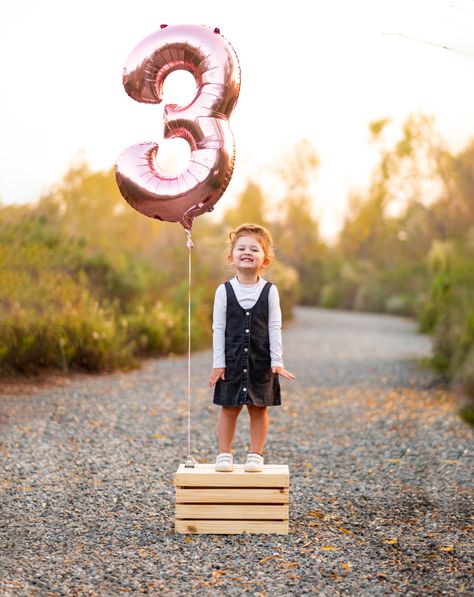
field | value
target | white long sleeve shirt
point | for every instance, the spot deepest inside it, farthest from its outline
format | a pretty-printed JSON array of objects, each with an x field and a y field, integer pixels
[{"x": 247, "y": 295}]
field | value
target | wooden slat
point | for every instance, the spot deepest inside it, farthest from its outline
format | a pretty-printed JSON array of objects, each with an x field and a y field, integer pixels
[
  {"x": 229, "y": 495},
  {"x": 229, "y": 511},
  {"x": 233, "y": 527},
  {"x": 204, "y": 475}
]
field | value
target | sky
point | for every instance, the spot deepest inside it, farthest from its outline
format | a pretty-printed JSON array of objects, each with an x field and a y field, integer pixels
[{"x": 320, "y": 70}]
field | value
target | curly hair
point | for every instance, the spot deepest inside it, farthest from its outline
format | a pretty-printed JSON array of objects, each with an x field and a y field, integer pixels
[{"x": 260, "y": 232}]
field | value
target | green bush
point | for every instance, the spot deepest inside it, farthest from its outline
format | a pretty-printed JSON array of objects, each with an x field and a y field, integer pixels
[
  {"x": 449, "y": 311},
  {"x": 330, "y": 296},
  {"x": 69, "y": 305}
]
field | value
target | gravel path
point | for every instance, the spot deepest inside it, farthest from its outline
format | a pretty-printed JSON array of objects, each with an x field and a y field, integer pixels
[{"x": 380, "y": 474}]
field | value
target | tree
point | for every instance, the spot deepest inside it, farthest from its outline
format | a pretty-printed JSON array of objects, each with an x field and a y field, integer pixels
[
  {"x": 250, "y": 207},
  {"x": 297, "y": 233}
]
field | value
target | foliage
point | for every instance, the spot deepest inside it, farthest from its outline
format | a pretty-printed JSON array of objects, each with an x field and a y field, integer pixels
[
  {"x": 298, "y": 241},
  {"x": 449, "y": 311},
  {"x": 406, "y": 246},
  {"x": 87, "y": 283}
]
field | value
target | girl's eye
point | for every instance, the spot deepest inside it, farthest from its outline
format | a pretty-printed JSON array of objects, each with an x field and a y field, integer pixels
[{"x": 253, "y": 249}]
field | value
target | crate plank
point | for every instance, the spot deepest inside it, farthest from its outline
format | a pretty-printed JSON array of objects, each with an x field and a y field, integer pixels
[
  {"x": 204, "y": 475},
  {"x": 232, "y": 527},
  {"x": 219, "y": 495},
  {"x": 229, "y": 511}
]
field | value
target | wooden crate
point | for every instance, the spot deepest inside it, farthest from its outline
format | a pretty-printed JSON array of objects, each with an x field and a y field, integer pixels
[{"x": 232, "y": 503}]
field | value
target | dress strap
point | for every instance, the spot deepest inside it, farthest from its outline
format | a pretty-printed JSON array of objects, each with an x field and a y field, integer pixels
[{"x": 230, "y": 292}]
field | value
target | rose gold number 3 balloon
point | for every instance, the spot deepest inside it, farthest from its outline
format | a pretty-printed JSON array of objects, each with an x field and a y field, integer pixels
[{"x": 204, "y": 123}]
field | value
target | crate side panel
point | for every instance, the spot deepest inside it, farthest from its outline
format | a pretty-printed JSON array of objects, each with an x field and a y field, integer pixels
[
  {"x": 232, "y": 511},
  {"x": 205, "y": 476},
  {"x": 231, "y": 527},
  {"x": 185, "y": 495}
]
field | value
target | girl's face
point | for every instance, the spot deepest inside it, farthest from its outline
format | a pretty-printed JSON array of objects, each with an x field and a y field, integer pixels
[{"x": 248, "y": 254}]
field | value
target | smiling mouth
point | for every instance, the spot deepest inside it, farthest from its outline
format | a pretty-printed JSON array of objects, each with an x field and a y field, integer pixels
[{"x": 247, "y": 259}]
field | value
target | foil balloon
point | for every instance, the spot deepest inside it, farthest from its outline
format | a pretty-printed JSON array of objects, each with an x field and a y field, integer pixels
[{"x": 204, "y": 123}]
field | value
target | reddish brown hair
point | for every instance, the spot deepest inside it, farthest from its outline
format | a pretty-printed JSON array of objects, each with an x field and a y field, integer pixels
[{"x": 260, "y": 232}]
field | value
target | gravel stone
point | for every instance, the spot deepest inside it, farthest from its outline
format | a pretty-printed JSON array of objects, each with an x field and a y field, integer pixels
[{"x": 381, "y": 492}]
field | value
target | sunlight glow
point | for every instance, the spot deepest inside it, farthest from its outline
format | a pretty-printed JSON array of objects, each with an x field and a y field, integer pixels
[{"x": 322, "y": 73}]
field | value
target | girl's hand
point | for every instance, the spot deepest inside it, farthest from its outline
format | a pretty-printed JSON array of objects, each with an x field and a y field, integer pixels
[
  {"x": 216, "y": 374},
  {"x": 282, "y": 371}
]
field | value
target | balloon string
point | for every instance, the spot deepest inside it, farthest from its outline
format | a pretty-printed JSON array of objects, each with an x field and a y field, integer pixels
[{"x": 189, "y": 244}]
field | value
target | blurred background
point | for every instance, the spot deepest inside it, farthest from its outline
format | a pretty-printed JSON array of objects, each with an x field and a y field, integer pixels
[{"x": 355, "y": 146}]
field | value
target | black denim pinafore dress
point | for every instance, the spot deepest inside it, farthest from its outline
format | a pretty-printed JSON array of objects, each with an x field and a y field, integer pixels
[{"x": 248, "y": 374}]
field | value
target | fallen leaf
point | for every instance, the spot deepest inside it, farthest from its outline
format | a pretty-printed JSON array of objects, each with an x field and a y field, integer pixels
[
  {"x": 328, "y": 548},
  {"x": 316, "y": 514},
  {"x": 450, "y": 461},
  {"x": 188, "y": 539},
  {"x": 263, "y": 560},
  {"x": 391, "y": 541},
  {"x": 392, "y": 460},
  {"x": 345, "y": 531},
  {"x": 289, "y": 564},
  {"x": 346, "y": 566},
  {"x": 447, "y": 548}
]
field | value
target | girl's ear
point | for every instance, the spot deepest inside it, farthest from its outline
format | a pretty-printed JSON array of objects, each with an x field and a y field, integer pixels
[{"x": 266, "y": 262}]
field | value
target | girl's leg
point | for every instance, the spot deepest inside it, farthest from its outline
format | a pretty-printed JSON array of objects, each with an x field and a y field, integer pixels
[
  {"x": 258, "y": 427},
  {"x": 226, "y": 427}
]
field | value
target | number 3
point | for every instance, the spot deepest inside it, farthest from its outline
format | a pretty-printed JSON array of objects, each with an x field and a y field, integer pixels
[{"x": 204, "y": 123}]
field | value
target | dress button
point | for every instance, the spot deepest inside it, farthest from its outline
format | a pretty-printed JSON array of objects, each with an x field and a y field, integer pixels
[
  {"x": 246, "y": 349},
  {"x": 247, "y": 331},
  {"x": 245, "y": 389},
  {"x": 247, "y": 313},
  {"x": 245, "y": 370}
]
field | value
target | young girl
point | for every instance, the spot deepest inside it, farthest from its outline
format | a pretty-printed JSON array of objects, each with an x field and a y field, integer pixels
[{"x": 247, "y": 347}]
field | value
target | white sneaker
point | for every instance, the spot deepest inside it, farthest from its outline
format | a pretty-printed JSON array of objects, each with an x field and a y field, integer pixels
[
  {"x": 224, "y": 463},
  {"x": 254, "y": 463}
]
